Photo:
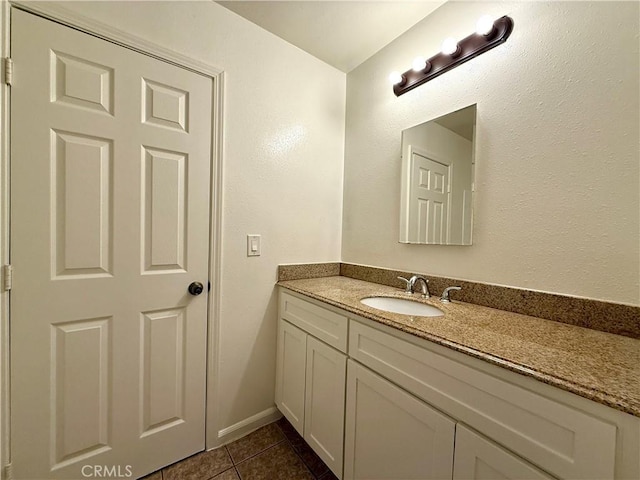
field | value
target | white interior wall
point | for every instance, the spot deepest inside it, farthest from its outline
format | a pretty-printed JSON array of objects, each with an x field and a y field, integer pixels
[
  {"x": 557, "y": 159},
  {"x": 282, "y": 173},
  {"x": 557, "y": 208}
]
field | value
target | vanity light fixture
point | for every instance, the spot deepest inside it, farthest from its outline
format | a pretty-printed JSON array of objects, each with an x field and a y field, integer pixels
[
  {"x": 451, "y": 47},
  {"x": 485, "y": 26},
  {"x": 419, "y": 64},
  {"x": 489, "y": 34},
  {"x": 396, "y": 78}
]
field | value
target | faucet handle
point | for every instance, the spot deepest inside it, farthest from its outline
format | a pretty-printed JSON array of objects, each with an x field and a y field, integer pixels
[
  {"x": 445, "y": 295},
  {"x": 408, "y": 284}
]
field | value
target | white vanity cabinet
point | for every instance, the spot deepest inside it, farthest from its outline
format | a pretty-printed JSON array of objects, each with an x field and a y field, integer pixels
[
  {"x": 478, "y": 458},
  {"x": 311, "y": 375},
  {"x": 291, "y": 373},
  {"x": 418, "y": 410},
  {"x": 390, "y": 434}
]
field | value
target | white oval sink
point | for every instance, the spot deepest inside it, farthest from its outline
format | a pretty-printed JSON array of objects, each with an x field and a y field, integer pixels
[{"x": 403, "y": 306}]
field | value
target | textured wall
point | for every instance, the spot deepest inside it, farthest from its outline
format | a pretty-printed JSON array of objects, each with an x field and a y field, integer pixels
[
  {"x": 283, "y": 162},
  {"x": 557, "y": 165}
]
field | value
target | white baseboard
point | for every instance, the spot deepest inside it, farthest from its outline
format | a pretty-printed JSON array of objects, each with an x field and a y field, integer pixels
[{"x": 248, "y": 425}]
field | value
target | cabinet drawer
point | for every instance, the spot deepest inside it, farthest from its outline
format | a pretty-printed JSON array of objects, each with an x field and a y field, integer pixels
[
  {"x": 564, "y": 441},
  {"x": 328, "y": 326}
]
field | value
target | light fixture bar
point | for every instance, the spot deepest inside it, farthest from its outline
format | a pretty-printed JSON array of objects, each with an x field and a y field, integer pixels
[{"x": 468, "y": 48}]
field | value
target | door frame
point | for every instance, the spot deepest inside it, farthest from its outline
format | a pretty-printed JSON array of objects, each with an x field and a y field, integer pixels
[
  {"x": 61, "y": 15},
  {"x": 4, "y": 243}
]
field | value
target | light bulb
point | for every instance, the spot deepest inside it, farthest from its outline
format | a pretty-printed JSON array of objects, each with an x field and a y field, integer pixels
[
  {"x": 419, "y": 64},
  {"x": 484, "y": 25},
  {"x": 396, "y": 78},
  {"x": 450, "y": 46}
]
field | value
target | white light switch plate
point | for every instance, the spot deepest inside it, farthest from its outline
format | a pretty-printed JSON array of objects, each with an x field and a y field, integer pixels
[{"x": 253, "y": 245}]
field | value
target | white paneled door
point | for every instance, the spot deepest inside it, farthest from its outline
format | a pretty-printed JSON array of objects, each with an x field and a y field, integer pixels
[
  {"x": 429, "y": 193},
  {"x": 110, "y": 188}
]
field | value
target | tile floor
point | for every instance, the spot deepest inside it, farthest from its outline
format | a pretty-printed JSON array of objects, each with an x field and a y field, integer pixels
[{"x": 273, "y": 452}]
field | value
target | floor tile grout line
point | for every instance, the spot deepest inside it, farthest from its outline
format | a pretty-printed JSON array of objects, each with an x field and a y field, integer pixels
[
  {"x": 267, "y": 448},
  {"x": 316, "y": 477},
  {"x": 301, "y": 459},
  {"x": 220, "y": 473},
  {"x": 258, "y": 453},
  {"x": 295, "y": 451},
  {"x": 233, "y": 464},
  {"x": 285, "y": 439},
  {"x": 229, "y": 453}
]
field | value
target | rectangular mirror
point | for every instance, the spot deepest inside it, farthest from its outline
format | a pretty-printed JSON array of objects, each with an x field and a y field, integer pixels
[{"x": 438, "y": 168}]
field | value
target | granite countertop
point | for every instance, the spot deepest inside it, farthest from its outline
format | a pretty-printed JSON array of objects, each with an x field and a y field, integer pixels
[{"x": 599, "y": 366}]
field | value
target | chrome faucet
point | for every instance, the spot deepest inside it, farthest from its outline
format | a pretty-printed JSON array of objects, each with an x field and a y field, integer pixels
[
  {"x": 408, "y": 287},
  {"x": 425, "y": 285},
  {"x": 445, "y": 295},
  {"x": 411, "y": 285}
]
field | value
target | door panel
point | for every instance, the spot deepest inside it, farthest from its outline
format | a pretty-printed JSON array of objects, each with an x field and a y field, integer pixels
[
  {"x": 110, "y": 223},
  {"x": 390, "y": 434},
  {"x": 291, "y": 373},
  {"x": 480, "y": 459},
  {"x": 428, "y": 199},
  {"x": 78, "y": 81},
  {"x": 162, "y": 376},
  {"x": 164, "y": 220},
  {"x": 82, "y": 185},
  {"x": 165, "y": 105},
  {"x": 80, "y": 388},
  {"x": 326, "y": 372}
]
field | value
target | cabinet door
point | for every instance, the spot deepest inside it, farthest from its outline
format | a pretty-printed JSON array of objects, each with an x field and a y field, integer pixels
[
  {"x": 324, "y": 406},
  {"x": 290, "y": 373},
  {"x": 390, "y": 434},
  {"x": 479, "y": 459},
  {"x": 564, "y": 440}
]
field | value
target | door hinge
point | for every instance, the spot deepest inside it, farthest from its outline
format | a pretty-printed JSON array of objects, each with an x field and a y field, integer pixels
[
  {"x": 8, "y": 472},
  {"x": 7, "y": 278},
  {"x": 8, "y": 71}
]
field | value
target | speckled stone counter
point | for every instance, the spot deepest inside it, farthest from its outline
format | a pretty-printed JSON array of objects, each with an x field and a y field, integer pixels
[{"x": 599, "y": 366}]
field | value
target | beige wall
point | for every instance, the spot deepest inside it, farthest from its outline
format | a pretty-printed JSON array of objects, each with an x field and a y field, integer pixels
[
  {"x": 557, "y": 165},
  {"x": 283, "y": 162},
  {"x": 557, "y": 159}
]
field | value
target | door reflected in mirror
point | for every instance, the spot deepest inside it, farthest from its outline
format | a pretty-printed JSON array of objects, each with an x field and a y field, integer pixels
[{"x": 438, "y": 169}]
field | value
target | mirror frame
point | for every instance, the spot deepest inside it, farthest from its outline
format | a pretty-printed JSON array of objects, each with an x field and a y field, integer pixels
[{"x": 464, "y": 199}]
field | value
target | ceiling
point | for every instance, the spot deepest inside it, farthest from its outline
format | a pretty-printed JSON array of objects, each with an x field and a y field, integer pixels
[
  {"x": 341, "y": 33},
  {"x": 461, "y": 122}
]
